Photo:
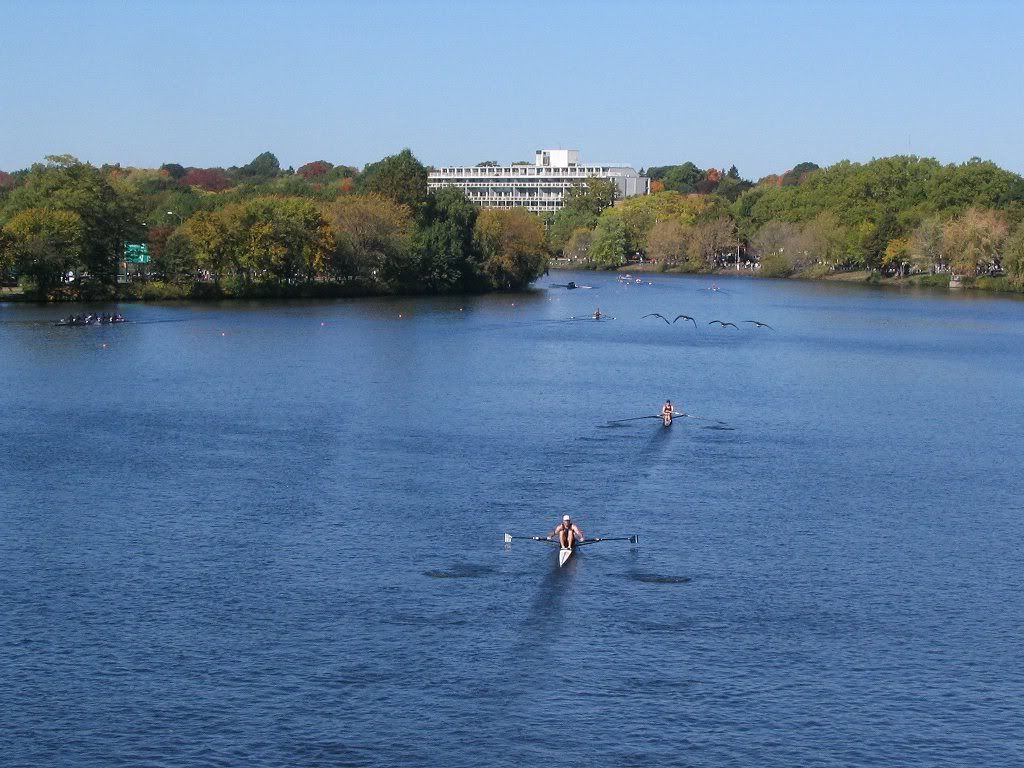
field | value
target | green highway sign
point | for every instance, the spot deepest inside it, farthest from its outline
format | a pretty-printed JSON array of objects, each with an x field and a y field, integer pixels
[{"x": 136, "y": 253}]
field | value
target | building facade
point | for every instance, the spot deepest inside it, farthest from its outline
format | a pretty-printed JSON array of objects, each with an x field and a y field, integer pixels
[{"x": 540, "y": 187}]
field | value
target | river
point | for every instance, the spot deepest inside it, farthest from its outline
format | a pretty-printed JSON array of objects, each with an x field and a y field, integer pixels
[{"x": 266, "y": 534}]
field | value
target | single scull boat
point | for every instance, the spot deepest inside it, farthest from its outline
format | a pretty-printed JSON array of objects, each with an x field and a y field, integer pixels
[{"x": 564, "y": 553}]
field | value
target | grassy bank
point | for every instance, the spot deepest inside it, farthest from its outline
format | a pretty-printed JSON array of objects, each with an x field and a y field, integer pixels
[{"x": 156, "y": 290}]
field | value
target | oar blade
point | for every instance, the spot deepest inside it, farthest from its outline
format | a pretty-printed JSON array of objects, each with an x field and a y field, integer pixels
[
  {"x": 634, "y": 539},
  {"x": 508, "y": 538}
]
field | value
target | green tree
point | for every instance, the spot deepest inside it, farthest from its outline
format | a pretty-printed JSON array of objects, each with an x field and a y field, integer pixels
[
  {"x": 373, "y": 240},
  {"x": 678, "y": 178},
  {"x": 609, "y": 247},
  {"x": 578, "y": 246},
  {"x": 45, "y": 245},
  {"x": 448, "y": 255},
  {"x": 1013, "y": 256},
  {"x": 207, "y": 233},
  {"x": 108, "y": 217},
  {"x": 877, "y": 238},
  {"x": 897, "y": 254},
  {"x": 263, "y": 167},
  {"x": 593, "y": 195},
  {"x": 513, "y": 246},
  {"x": 7, "y": 254},
  {"x": 285, "y": 239},
  {"x": 400, "y": 177},
  {"x": 978, "y": 184},
  {"x": 176, "y": 262},
  {"x": 567, "y": 221}
]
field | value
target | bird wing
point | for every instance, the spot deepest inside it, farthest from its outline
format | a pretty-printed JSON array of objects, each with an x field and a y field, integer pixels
[
  {"x": 732, "y": 324},
  {"x": 716, "y": 321}
]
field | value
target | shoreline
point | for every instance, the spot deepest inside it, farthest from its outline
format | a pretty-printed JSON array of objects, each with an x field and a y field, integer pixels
[
  {"x": 988, "y": 285},
  {"x": 157, "y": 291}
]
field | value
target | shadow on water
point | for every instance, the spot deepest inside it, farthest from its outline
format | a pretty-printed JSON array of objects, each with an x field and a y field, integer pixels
[
  {"x": 657, "y": 578},
  {"x": 462, "y": 571},
  {"x": 543, "y": 620}
]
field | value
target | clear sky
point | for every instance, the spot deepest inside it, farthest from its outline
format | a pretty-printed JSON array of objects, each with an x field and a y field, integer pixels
[{"x": 764, "y": 85}]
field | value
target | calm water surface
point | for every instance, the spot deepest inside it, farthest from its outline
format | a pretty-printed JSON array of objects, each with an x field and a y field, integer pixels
[{"x": 271, "y": 534}]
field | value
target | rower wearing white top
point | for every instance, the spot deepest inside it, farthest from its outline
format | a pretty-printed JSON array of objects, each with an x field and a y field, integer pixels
[{"x": 568, "y": 533}]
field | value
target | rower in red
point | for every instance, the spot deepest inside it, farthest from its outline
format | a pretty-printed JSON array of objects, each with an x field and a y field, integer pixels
[
  {"x": 568, "y": 533},
  {"x": 667, "y": 412}
]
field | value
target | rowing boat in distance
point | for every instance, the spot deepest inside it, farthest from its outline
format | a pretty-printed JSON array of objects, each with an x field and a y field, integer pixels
[{"x": 564, "y": 553}]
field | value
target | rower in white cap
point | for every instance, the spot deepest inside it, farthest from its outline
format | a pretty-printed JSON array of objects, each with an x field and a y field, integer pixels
[{"x": 568, "y": 533}]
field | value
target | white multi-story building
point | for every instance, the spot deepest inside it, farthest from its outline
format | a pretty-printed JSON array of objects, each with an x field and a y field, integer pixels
[{"x": 539, "y": 187}]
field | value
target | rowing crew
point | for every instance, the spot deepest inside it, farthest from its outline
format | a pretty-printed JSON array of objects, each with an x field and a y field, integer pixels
[{"x": 103, "y": 319}]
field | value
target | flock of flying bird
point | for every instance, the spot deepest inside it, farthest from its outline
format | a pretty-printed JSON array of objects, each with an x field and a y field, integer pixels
[{"x": 724, "y": 324}]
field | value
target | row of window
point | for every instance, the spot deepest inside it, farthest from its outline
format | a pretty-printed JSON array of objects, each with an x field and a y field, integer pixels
[
  {"x": 534, "y": 206},
  {"x": 561, "y": 185},
  {"x": 521, "y": 170}
]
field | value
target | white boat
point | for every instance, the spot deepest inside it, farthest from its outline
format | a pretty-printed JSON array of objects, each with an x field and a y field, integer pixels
[{"x": 563, "y": 555}]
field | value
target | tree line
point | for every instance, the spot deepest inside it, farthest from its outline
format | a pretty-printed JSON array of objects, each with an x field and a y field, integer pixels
[
  {"x": 896, "y": 215},
  {"x": 258, "y": 230}
]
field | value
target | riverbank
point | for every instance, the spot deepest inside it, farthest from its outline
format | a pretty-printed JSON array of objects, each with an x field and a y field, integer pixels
[{"x": 155, "y": 290}]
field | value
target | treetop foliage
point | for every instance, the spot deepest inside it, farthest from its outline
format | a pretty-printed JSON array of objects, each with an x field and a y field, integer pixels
[{"x": 325, "y": 221}]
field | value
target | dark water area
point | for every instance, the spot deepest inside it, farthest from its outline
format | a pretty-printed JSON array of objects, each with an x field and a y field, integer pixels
[{"x": 271, "y": 534}]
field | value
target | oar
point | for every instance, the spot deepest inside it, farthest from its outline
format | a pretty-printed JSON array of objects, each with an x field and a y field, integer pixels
[
  {"x": 635, "y": 418},
  {"x": 699, "y": 418},
  {"x": 634, "y": 539},
  {"x": 509, "y": 537}
]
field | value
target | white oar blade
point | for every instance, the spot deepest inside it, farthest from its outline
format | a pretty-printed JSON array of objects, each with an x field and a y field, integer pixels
[{"x": 508, "y": 538}]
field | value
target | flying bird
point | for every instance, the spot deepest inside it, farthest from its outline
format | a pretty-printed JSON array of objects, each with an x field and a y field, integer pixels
[
  {"x": 655, "y": 314},
  {"x": 759, "y": 324},
  {"x": 724, "y": 325},
  {"x": 685, "y": 317}
]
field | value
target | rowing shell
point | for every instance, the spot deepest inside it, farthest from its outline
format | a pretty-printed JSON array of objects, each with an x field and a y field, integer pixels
[{"x": 563, "y": 555}]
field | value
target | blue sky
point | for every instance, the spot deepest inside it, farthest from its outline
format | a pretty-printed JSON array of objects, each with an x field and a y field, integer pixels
[{"x": 764, "y": 85}]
